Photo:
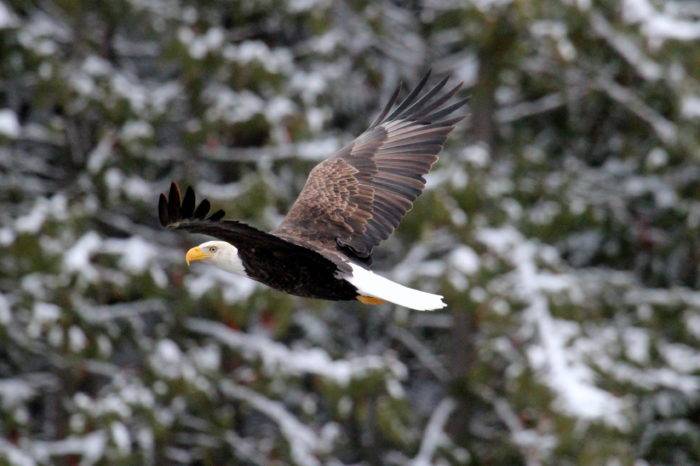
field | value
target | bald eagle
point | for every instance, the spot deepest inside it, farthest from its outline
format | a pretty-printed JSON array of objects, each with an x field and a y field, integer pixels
[{"x": 350, "y": 202}]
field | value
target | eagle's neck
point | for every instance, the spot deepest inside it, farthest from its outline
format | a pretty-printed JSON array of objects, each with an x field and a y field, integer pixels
[{"x": 230, "y": 261}]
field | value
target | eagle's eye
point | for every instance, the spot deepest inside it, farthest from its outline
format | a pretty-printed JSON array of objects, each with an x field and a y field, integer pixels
[{"x": 212, "y": 248}]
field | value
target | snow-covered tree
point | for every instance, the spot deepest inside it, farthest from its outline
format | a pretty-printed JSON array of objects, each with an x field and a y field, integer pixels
[{"x": 561, "y": 225}]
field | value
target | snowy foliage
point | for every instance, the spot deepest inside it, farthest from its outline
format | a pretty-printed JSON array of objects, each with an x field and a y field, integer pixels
[{"x": 561, "y": 224}]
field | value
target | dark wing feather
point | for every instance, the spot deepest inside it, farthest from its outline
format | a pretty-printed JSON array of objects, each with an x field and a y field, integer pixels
[
  {"x": 177, "y": 215},
  {"x": 358, "y": 196}
]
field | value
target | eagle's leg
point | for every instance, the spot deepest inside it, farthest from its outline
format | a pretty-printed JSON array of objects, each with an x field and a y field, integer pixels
[{"x": 369, "y": 300}]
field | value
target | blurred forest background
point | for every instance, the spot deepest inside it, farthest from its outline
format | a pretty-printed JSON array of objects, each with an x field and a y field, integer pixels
[{"x": 561, "y": 224}]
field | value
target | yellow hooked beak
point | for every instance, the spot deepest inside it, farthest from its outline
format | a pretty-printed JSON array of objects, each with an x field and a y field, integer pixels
[{"x": 195, "y": 254}]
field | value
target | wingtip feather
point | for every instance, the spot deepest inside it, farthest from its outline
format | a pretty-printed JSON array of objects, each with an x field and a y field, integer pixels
[
  {"x": 163, "y": 210},
  {"x": 174, "y": 203},
  {"x": 216, "y": 216},
  {"x": 188, "y": 203},
  {"x": 173, "y": 207},
  {"x": 202, "y": 209}
]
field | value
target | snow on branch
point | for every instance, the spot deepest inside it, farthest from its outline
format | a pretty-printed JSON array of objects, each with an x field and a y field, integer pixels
[
  {"x": 136, "y": 254},
  {"x": 303, "y": 441},
  {"x": 43, "y": 210},
  {"x": 278, "y": 358},
  {"x": 530, "y": 108},
  {"x": 424, "y": 354},
  {"x": 652, "y": 379},
  {"x": 7, "y": 18},
  {"x": 664, "y": 129},
  {"x": 96, "y": 314},
  {"x": 91, "y": 448},
  {"x": 15, "y": 456},
  {"x": 17, "y": 390},
  {"x": 623, "y": 45},
  {"x": 533, "y": 445},
  {"x": 661, "y": 25},
  {"x": 564, "y": 369},
  {"x": 664, "y": 297},
  {"x": 245, "y": 448},
  {"x": 312, "y": 150},
  {"x": 434, "y": 436}
]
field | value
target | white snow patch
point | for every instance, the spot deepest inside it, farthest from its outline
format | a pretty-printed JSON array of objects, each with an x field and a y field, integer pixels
[
  {"x": 434, "y": 436},
  {"x": 77, "y": 341},
  {"x": 32, "y": 222},
  {"x": 464, "y": 259},
  {"x": 303, "y": 442},
  {"x": 657, "y": 157},
  {"x": 200, "y": 46},
  {"x": 565, "y": 371},
  {"x": 233, "y": 287},
  {"x": 136, "y": 129},
  {"x": 692, "y": 323},
  {"x": 487, "y": 6},
  {"x": 41, "y": 32},
  {"x": 298, "y": 6},
  {"x": 101, "y": 153},
  {"x": 167, "y": 358},
  {"x": 137, "y": 188},
  {"x": 9, "y": 124},
  {"x": 136, "y": 253},
  {"x": 91, "y": 447},
  {"x": 660, "y": 25},
  {"x": 273, "y": 60},
  {"x": 131, "y": 90},
  {"x": 636, "y": 344},
  {"x": 45, "y": 313},
  {"x": 466, "y": 69},
  {"x": 15, "y": 456},
  {"x": 5, "y": 311},
  {"x": 97, "y": 66},
  {"x": 207, "y": 357},
  {"x": 568, "y": 377},
  {"x": 634, "y": 11},
  {"x": 77, "y": 258},
  {"x": 163, "y": 94},
  {"x": 668, "y": 27},
  {"x": 231, "y": 106},
  {"x": 278, "y": 358},
  {"x": 690, "y": 107},
  {"x": 476, "y": 155},
  {"x": 310, "y": 85},
  {"x": 7, "y": 18},
  {"x": 627, "y": 48},
  {"x": 278, "y": 108},
  {"x": 7, "y": 236},
  {"x": 121, "y": 437},
  {"x": 14, "y": 392},
  {"x": 682, "y": 358},
  {"x": 317, "y": 149}
]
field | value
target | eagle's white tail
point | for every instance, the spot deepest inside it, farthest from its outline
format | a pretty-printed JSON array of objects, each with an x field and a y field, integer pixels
[{"x": 370, "y": 284}]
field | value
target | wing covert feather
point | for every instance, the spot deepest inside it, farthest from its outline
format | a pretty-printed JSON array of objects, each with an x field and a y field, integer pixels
[{"x": 357, "y": 197}]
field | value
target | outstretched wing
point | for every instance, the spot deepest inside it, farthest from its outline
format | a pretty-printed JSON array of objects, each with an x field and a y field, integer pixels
[
  {"x": 358, "y": 196},
  {"x": 179, "y": 213}
]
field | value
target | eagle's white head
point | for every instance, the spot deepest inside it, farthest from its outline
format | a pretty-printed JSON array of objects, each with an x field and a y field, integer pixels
[{"x": 220, "y": 253}]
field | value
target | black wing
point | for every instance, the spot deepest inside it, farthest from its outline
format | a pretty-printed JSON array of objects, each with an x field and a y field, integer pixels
[{"x": 179, "y": 213}]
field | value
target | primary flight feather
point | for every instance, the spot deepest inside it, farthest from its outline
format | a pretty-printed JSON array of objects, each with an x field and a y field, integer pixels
[{"x": 350, "y": 202}]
